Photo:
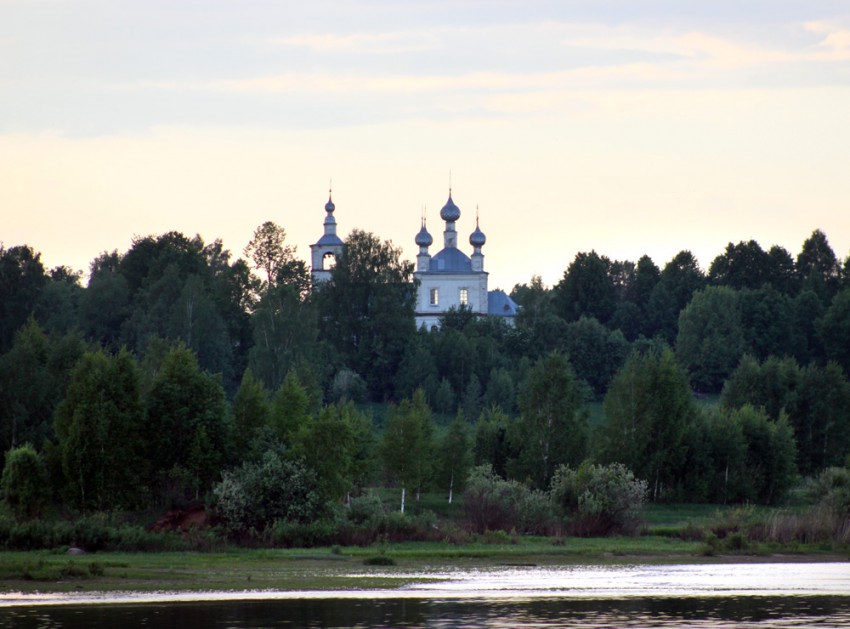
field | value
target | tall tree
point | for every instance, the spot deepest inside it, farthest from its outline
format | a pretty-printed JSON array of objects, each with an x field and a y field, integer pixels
[
  {"x": 58, "y": 305},
  {"x": 188, "y": 429},
  {"x": 366, "y": 310},
  {"x": 290, "y": 410},
  {"x": 819, "y": 413},
  {"x": 285, "y": 334},
  {"x": 331, "y": 445},
  {"x": 817, "y": 266},
  {"x": 679, "y": 280},
  {"x": 767, "y": 320},
  {"x": 97, "y": 427},
  {"x": 250, "y": 411},
  {"x": 710, "y": 341},
  {"x": 770, "y": 458},
  {"x": 454, "y": 457},
  {"x": 835, "y": 330},
  {"x": 407, "y": 446},
  {"x": 595, "y": 352},
  {"x": 770, "y": 386},
  {"x": 552, "y": 427},
  {"x": 491, "y": 447},
  {"x": 276, "y": 259},
  {"x": 33, "y": 376},
  {"x": 744, "y": 265},
  {"x": 647, "y": 408},
  {"x": 22, "y": 279},
  {"x": 105, "y": 305},
  {"x": 587, "y": 289}
]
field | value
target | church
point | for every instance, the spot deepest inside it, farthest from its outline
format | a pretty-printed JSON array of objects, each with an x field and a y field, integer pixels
[{"x": 448, "y": 279}]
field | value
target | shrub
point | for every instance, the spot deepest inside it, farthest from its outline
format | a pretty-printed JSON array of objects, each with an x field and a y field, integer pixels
[
  {"x": 831, "y": 488},
  {"x": 366, "y": 508},
  {"x": 25, "y": 486},
  {"x": 598, "y": 499},
  {"x": 303, "y": 534},
  {"x": 257, "y": 494},
  {"x": 494, "y": 504}
]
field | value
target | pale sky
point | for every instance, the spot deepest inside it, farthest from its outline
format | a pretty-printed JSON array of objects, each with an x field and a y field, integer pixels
[{"x": 627, "y": 127}]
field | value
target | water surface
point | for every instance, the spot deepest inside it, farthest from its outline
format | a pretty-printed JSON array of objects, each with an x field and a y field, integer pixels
[{"x": 706, "y": 595}]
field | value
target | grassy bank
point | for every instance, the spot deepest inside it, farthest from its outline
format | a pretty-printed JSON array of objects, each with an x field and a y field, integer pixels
[{"x": 343, "y": 568}]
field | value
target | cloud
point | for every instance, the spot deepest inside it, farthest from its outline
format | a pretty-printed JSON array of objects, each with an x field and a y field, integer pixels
[
  {"x": 835, "y": 45},
  {"x": 365, "y": 43}
]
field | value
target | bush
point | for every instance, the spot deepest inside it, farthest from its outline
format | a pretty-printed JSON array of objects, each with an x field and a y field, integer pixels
[
  {"x": 257, "y": 494},
  {"x": 303, "y": 534},
  {"x": 494, "y": 504},
  {"x": 598, "y": 499},
  {"x": 366, "y": 508},
  {"x": 25, "y": 486},
  {"x": 831, "y": 488}
]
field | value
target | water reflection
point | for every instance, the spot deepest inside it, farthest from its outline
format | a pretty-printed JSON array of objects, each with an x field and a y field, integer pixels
[
  {"x": 714, "y": 612},
  {"x": 710, "y": 596}
]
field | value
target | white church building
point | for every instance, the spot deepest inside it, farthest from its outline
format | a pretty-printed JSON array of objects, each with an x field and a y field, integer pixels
[{"x": 448, "y": 279}]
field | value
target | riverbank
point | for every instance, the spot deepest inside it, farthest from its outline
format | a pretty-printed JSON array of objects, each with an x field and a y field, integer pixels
[{"x": 346, "y": 568}]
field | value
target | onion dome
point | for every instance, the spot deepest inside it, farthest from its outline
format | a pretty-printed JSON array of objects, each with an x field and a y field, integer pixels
[
  {"x": 329, "y": 206},
  {"x": 450, "y": 212},
  {"x": 477, "y": 238},
  {"x": 423, "y": 238}
]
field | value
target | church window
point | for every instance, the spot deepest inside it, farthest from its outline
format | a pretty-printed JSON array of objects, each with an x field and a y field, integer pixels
[
  {"x": 328, "y": 261},
  {"x": 435, "y": 297},
  {"x": 464, "y": 297}
]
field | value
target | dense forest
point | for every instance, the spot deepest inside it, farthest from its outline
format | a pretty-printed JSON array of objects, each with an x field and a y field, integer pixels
[{"x": 178, "y": 374}]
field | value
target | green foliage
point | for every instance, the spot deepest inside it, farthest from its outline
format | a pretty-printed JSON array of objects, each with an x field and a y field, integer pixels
[
  {"x": 711, "y": 338},
  {"x": 269, "y": 253},
  {"x": 500, "y": 392},
  {"x": 285, "y": 334},
  {"x": 647, "y": 408},
  {"x": 586, "y": 289},
  {"x": 714, "y": 467},
  {"x": 771, "y": 385},
  {"x": 817, "y": 266},
  {"x": 454, "y": 457},
  {"x": 494, "y": 504},
  {"x": 408, "y": 443},
  {"x": 444, "y": 397},
  {"x": 290, "y": 409},
  {"x": 552, "y": 427},
  {"x": 767, "y": 319},
  {"x": 831, "y": 488},
  {"x": 815, "y": 399},
  {"x": 348, "y": 386},
  {"x": 24, "y": 483},
  {"x": 835, "y": 330},
  {"x": 490, "y": 447},
  {"x": 97, "y": 426},
  {"x": 366, "y": 310},
  {"x": 598, "y": 499},
  {"x": 677, "y": 283},
  {"x": 255, "y": 495},
  {"x": 187, "y": 422},
  {"x": 595, "y": 352},
  {"x": 820, "y": 415},
  {"x": 771, "y": 455},
  {"x": 331, "y": 443},
  {"x": 250, "y": 411},
  {"x": 22, "y": 280}
]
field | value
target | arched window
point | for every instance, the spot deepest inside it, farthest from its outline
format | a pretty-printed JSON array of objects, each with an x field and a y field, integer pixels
[{"x": 328, "y": 261}]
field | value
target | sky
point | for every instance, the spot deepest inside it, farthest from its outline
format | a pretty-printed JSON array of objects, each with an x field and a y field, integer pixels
[{"x": 628, "y": 127}]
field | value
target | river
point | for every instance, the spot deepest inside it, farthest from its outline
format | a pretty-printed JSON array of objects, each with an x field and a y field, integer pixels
[{"x": 695, "y": 595}]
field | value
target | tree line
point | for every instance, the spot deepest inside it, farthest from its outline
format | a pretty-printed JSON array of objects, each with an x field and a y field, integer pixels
[{"x": 178, "y": 372}]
